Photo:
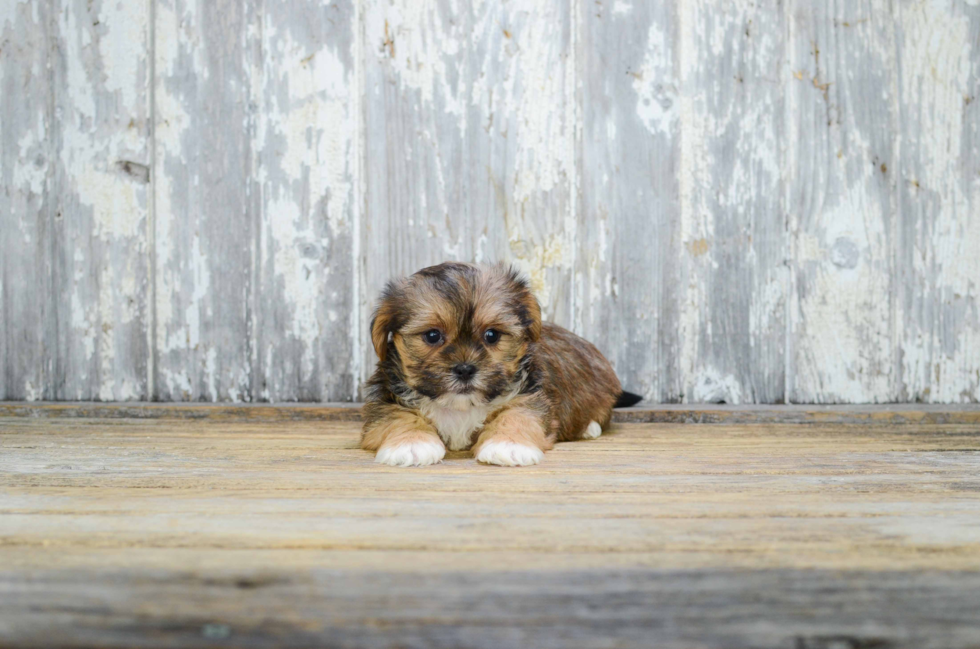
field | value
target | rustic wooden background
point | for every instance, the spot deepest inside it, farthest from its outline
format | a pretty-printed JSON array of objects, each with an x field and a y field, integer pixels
[{"x": 766, "y": 201}]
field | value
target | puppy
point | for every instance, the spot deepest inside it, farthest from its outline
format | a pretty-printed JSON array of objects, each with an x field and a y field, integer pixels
[{"x": 466, "y": 363}]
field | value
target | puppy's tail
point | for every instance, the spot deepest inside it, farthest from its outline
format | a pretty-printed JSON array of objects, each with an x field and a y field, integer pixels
[{"x": 627, "y": 399}]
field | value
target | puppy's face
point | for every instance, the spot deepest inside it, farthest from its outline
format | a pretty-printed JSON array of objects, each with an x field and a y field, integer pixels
[{"x": 459, "y": 332}]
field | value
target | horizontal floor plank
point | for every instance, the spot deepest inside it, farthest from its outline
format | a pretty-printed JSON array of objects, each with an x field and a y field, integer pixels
[
  {"x": 968, "y": 413},
  {"x": 278, "y": 531}
]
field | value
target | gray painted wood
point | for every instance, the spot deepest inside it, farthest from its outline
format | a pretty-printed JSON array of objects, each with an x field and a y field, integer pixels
[
  {"x": 469, "y": 153},
  {"x": 99, "y": 61},
  {"x": 205, "y": 207},
  {"x": 25, "y": 173},
  {"x": 732, "y": 229},
  {"x": 842, "y": 202},
  {"x": 627, "y": 274},
  {"x": 305, "y": 160},
  {"x": 937, "y": 269},
  {"x": 201, "y": 201}
]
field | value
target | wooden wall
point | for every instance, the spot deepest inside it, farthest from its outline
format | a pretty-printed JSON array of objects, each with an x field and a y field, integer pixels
[{"x": 740, "y": 201}]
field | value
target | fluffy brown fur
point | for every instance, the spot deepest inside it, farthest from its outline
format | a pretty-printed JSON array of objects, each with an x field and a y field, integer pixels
[{"x": 465, "y": 362}]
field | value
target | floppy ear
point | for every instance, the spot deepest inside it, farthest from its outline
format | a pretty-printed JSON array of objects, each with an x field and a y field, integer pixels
[
  {"x": 529, "y": 311},
  {"x": 534, "y": 315},
  {"x": 386, "y": 320}
]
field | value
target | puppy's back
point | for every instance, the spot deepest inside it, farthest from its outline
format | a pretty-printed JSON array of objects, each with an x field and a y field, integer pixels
[{"x": 579, "y": 382}]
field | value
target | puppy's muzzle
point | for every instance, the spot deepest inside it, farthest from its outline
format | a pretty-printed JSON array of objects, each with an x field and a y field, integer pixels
[{"x": 464, "y": 371}]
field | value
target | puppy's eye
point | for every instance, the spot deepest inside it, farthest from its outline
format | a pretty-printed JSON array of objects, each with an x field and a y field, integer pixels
[
  {"x": 491, "y": 336},
  {"x": 432, "y": 336}
]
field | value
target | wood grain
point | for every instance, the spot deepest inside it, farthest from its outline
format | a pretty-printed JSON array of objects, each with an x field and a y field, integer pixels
[
  {"x": 100, "y": 189},
  {"x": 938, "y": 186},
  {"x": 732, "y": 279},
  {"x": 305, "y": 157},
  {"x": 205, "y": 200},
  {"x": 748, "y": 202},
  {"x": 173, "y": 532},
  {"x": 627, "y": 277},
  {"x": 843, "y": 205},
  {"x": 26, "y": 172},
  {"x": 468, "y": 143},
  {"x": 676, "y": 414},
  {"x": 671, "y": 608}
]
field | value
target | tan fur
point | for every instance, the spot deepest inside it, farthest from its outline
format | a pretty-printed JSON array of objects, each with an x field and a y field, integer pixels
[
  {"x": 394, "y": 425},
  {"x": 536, "y": 384},
  {"x": 522, "y": 422}
]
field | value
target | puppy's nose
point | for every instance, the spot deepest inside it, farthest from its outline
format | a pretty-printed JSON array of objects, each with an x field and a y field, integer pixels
[{"x": 464, "y": 371}]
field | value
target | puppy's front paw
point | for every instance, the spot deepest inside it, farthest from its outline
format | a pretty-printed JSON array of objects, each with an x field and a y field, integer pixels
[
  {"x": 420, "y": 453},
  {"x": 509, "y": 454}
]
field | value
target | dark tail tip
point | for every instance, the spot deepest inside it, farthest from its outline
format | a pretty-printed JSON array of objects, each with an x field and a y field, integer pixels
[{"x": 627, "y": 399}]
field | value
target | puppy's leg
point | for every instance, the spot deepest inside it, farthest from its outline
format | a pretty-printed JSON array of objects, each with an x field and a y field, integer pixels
[
  {"x": 592, "y": 431},
  {"x": 401, "y": 437},
  {"x": 516, "y": 436}
]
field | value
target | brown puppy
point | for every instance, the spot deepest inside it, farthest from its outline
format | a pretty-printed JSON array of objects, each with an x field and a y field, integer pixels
[{"x": 466, "y": 362}]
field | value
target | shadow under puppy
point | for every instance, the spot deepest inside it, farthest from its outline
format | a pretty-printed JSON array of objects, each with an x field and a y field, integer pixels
[{"x": 465, "y": 362}]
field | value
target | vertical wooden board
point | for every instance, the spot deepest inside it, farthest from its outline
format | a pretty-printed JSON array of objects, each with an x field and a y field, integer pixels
[
  {"x": 938, "y": 260},
  {"x": 469, "y": 143},
  {"x": 25, "y": 169},
  {"x": 630, "y": 212},
  {"x": 841, "y": 160},
  {"x": 732, "y": 246},
  {"x": 204, "y": 199},
  {"x": 305, "y": 147},
  {"x": 101, "y": 69}
]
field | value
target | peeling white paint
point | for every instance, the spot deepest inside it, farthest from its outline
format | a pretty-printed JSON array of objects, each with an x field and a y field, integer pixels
[
  {"x": 103, "y": 207},
  {"x": 842, "y": 310},
  {"x": 710, "y": 386},
  {"x": 621, "y": 8},
  {"x": 870, "y": 166},
  {"x": 28, "y": 176},
  {"x": 845, "y": 315},
  {"x": 937, "y": 77},
  {"x": 543, "y": 160},
  {"x": 655, "y": 85},
  {"x": 123, "y": 48},
  {"x": 413, "y": 37},
  {"x": 10, "y": 10},
  {"x": 305, "y": 144}
]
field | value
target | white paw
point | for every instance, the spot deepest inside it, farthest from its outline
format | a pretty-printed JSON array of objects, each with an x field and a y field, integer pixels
[
  {"x": 592, "y": 431},
  {"x": 509, "y": 454},
  {"x": 411, "y": 454}
]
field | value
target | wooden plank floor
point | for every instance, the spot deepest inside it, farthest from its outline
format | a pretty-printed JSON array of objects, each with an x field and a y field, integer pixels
[{"x": 272, "y": 529}]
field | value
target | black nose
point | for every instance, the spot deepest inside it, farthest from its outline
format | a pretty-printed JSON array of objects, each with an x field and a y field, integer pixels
[{"x": 464, "y": 371}]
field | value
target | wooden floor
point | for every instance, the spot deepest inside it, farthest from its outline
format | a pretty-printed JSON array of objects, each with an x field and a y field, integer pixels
[{"x": 228, "y": 527}]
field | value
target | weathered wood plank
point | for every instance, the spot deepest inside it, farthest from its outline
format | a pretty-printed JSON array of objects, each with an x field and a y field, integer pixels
[
  {"x": 205, "y": 200},
  {"x": 758, "y": 496},
  {"x": 26, "y": 164},
  {"x": 469, "y": 144},
  {"x": 176, "y": 533},
  {"x": 626, "y": 275},
  {"x": 937, "y": 269},
  {"x": 891, "y": 415},
  {"x": 731, "y": 252},
  {"x": 738, "y": 202},
  {"x": 843, "y": 125},
  {"x": 305, "y": 160},
  {"x": 101, "y": 71},
  {"x": 586, "y": 608}
]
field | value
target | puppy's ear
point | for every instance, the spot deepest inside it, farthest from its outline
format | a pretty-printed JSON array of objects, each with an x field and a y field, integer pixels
[
  {"x": 529, "y": 311},
  {"x": 387, "y": 316},
  {"x": 534, "y": 315}
]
